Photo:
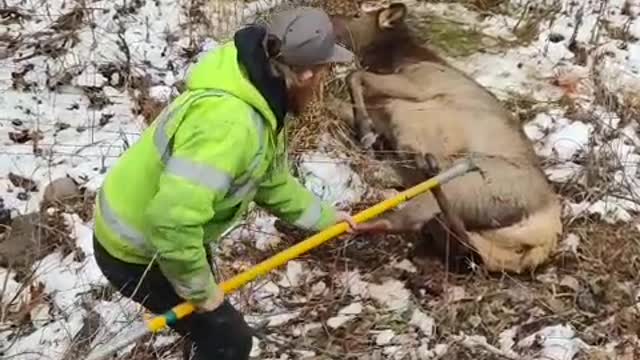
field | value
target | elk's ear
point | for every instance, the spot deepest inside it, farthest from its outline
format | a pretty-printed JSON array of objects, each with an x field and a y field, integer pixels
[{"x": 391, "y": 15}]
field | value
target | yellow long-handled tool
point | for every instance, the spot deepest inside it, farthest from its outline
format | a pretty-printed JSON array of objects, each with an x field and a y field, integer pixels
[{"x": 159, "y": 322}]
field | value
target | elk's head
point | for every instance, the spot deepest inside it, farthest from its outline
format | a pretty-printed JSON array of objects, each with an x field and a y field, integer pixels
[{"x": 370, "y": 28}]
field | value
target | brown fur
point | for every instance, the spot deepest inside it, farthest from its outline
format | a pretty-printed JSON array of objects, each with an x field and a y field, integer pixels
[{"x": 417, "y": 103}]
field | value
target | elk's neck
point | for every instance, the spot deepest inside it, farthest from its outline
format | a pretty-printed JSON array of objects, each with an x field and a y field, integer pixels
[{"x": 395, "y": 51}]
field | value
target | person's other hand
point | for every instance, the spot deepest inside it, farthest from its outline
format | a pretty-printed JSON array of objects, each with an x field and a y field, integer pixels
[
  {"x": 346, "y": 217},
  {"x": 212, "y": 302},
  {"x": 375, "y": 227}
]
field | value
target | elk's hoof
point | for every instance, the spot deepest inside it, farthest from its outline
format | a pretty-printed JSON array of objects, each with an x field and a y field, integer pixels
[
  {"x": 431, "y": 165},
  {"x": 368, "y": 140}
]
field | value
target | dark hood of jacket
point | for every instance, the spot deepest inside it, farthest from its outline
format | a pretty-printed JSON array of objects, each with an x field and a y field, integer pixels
[{"x": 252, "y": 55}]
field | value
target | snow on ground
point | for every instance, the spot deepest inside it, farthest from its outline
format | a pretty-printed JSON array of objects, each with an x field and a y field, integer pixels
[{"x": 70, "y": 78}]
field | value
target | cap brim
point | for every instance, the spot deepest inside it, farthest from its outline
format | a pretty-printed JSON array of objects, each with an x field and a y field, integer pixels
[{"x": 341, "y": 55}]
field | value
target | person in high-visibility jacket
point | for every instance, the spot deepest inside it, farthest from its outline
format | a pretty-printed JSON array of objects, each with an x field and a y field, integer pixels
[{"x": 194, "y": 171}]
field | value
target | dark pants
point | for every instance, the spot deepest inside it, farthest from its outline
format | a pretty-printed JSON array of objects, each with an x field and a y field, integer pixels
[{"x": 221, "y": 334}]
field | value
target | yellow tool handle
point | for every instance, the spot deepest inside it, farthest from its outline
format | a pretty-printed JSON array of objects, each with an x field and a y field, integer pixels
[{"x": 179, "y": 311}]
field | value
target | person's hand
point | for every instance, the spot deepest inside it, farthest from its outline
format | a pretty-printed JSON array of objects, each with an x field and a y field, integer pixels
[
  {"x": 375, "y": 227},
  {"x": 212, "y": 302},
  {"x": 346, "y": 217}
]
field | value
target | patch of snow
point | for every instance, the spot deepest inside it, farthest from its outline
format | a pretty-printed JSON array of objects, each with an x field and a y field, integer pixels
[
  {"x": 252, "y": 9},
  {"x": 117, "y": 316},
  {"x": 422, "y": 321},
  {"x": 405, "y": 265},
  {"x": 318, "y": 288},
  {"x": 10, "y": 290},
  {"x": 550, "y": 276},
  {"x": 256, "y": 351},
  {"x": 345, "y": 315},
  {"x": 516, "y": 72},
  {"x": 539, "y": 126},
  {"x": 40, "y": 314},
  {"x": 396, "y": 352},
  {"x": 331, "y": 179},
  {"x": 281, "y": 319},
  {"x": 438, "y": 351},
  {"x": 66, "y": 278},
  {"x": 384, "y": 337},
  {"x": 49, "y": 341},
  {"x": 84, "y": 240},
  {"x": 304, "y": 354},
  {"x": 392, "y": 294},
  {"x": 61, "y": 278},
  {"x": 260, "y": 231},
  {"x": 207, "y": 46},
  {"x": 570, "y": 282},
  {"x": 357, "y": 287},
  {"x": 571, "y": 243},
  {"x": 455, "y": 293},
  {"x": 293, "y": 276},
  {"x": 352, "y": 309},
  {"x": 610, "y": 209},
  {"x": 305, "y": 328},
  {"x": 267, "y": 291},
  {"x": 90, "y": 77},
  {"x": 473, "y": 341},
  {"x": 558, "y": 342},
  {"x": 567, "y": 141},
  {"x": 161, "y": 93},
  {"x": 506, "y": 339},
  {"x": 164, "y": 339},
  {"x": 562, "y": 173},
  {"x": 337, "y": 321}
]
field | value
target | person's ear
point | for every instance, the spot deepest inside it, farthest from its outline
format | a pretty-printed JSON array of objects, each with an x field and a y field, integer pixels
[{"x": 272, "y": 45}]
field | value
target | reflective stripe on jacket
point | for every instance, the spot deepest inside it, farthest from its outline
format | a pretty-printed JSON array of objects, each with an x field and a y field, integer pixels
[{"x": 194, "y": 171}]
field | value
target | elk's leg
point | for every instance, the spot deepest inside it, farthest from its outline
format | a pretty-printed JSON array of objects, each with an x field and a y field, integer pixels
[
  {"x": 342, "y": 109},
  {"x": 434, "y": 241},
  {"x": 410, "y": 218},
  {"x": 430, "y": 166},
  {"x": 361, "y": 119},
  {"x": 391, "y": 86}
]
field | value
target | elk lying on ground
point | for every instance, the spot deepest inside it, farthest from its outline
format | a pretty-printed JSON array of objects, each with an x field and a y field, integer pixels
[{"x": 411, "y": 101}]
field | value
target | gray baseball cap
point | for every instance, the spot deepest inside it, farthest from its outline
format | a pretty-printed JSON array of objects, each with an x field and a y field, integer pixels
[{"x": 307, "y": 37}]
